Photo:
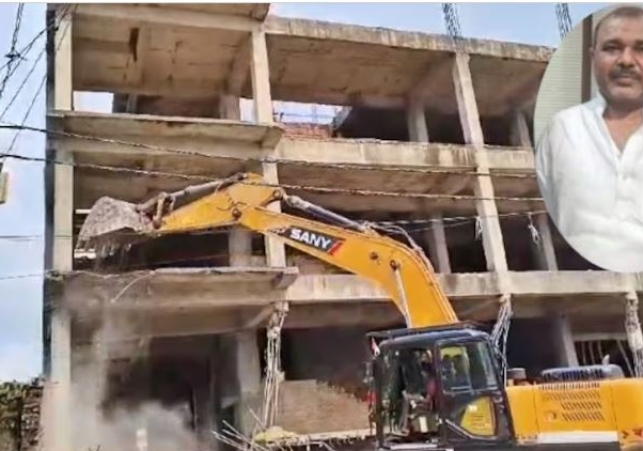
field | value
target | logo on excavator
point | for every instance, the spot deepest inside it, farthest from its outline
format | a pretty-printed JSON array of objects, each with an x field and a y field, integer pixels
[{"x": 320, "y": 241}]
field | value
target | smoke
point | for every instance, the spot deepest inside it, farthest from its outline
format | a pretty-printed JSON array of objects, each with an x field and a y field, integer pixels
[{"x": 140, "y": 424}]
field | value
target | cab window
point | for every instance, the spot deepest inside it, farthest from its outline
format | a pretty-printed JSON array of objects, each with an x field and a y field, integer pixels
[{"x": 467, "y": 367}]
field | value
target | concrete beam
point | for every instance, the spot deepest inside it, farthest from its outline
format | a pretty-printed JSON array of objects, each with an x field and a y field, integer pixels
[
  {"x": 320, "y": 30},
  {"x": 224, "y": 288},
  {"x": 360, "y": 153},
  {"x": 149, "y": 15},
  {"x": 129, "y": 127}
]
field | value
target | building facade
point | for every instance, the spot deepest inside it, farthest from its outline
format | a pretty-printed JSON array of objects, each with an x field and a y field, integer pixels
[{"x": 165, "y": 342}]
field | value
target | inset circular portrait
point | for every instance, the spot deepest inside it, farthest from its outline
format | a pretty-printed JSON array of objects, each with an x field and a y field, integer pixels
[{"x": 588, "y": 125}]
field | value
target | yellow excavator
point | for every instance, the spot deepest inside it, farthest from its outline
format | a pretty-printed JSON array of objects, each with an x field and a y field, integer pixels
[{"x": 436, "y": 384}]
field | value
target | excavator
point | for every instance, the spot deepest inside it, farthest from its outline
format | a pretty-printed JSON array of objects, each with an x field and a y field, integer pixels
[{"x": 436, "y": 383}]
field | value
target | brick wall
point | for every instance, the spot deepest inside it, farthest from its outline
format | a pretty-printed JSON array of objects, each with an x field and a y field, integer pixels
[
  {"x": 323, "y": 391},
  {"x": 309, "y": 406},
  {"x": 309, "y": 131}
]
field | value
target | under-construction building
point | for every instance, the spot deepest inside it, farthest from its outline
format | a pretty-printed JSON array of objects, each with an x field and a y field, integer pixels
[{"x": 171, "y": 335}]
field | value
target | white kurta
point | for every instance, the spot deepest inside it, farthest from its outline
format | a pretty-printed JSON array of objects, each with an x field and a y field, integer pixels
[{"x": 593, "y": 191}]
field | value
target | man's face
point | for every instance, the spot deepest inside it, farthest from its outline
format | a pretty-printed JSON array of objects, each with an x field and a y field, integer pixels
[{"x": 618, "y": 61}]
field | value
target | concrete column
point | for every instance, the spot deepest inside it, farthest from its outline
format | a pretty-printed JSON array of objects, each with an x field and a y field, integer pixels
[
  {"x": 240, "y": 239},
  {"x": 416, "y": 122},
  {"x": 563, "y": 340},
  {"x": 249, "y": 381},
  {"x": 208, "y": 399},
  {"x": 544, "y": 250},
  {"x": 260, "y": 78},
  {"x": 59, "y": 244},
  {"x": 229, "y": 107},
  {"x": 58, "y": 431},
  {"x": 438, "y": 249},
  {"x": 486, "y": 207},
  {"x": 240, "y": 247},
  {"x": 436, "y": 238},
  {"x": 275, "y": 251}
]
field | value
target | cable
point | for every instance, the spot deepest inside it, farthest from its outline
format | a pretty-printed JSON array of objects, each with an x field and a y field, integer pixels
[
  {"x": 38, "y": 91},
  {"x": 13, "y": 54}
]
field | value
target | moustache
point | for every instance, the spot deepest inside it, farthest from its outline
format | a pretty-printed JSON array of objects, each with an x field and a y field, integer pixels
[{"x": 625, "y": 73}]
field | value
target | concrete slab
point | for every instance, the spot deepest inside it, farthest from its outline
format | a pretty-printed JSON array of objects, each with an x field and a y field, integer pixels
[
  {"x": 215, "y": 300},
  {"x": 212, "y": 148},
  {"x": 170, "y": 50},
  {"x": 323, "y": 62},
  {"x": 159, "y": 49}
]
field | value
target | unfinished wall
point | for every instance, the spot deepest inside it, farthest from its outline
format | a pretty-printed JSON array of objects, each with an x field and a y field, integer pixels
[{"x": 310, "y": 406}]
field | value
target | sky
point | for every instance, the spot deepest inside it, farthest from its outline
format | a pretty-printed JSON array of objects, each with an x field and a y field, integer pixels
[{"x": 21, "y": 260}]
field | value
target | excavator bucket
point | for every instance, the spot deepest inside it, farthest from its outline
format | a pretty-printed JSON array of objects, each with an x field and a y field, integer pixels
[
  {"x": 116, "y": 222},
  {"x": 112, "y": 221}
]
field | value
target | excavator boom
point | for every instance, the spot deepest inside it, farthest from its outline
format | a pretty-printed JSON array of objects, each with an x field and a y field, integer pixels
[
  {"x": 475, "y": 409},
  {"x": 402, "y": 271}
]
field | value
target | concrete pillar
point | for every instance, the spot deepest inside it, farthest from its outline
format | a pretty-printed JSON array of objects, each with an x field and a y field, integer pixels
[
  {"x": 58, "y": 431},
  {"x": 59, "y": 243},
  {"x": 436, "y": 238},
  {"x": 275, "y": 251},
  {"x": 248, "y": 381},
  {"x": 208, "y": 399},
  {"x": 563, "y": 340},
  {"x": 544, "y": 249},
  {"x": 416, "y": 122},
  {"x": 472, "y": 130},
  {"x": 229, "y": 107},
  {"x": 438, "y": 249},
  {"x": 260, "y": 78}
]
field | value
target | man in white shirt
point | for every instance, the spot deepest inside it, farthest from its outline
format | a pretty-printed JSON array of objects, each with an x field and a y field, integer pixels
[{"x": 589, "y": 159}]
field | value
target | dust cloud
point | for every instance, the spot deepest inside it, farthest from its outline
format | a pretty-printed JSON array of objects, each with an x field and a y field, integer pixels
[{"x": 145, "y": 425}]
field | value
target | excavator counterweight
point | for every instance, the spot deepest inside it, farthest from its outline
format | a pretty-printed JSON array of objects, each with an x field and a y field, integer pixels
[{"x": 436, "y": 383}]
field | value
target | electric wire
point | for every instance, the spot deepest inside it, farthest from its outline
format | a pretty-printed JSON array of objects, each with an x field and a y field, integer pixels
[{"x": 13, "y": 55}]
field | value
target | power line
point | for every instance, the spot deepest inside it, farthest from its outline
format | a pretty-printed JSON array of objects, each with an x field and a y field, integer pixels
[
  {"x": 13, "y": 54},
  {"x": 38, "y": 91}
]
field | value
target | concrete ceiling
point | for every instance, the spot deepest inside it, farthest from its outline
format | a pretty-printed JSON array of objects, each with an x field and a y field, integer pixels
[
  {"x": 310, "y": 61},
  {"x": 363, "y": 177}
]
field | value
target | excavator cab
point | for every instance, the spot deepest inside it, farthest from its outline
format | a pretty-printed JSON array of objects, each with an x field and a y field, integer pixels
[{"x": 439, "y": 388}]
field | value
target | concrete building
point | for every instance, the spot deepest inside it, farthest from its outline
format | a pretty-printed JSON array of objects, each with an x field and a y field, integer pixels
[{"x": 425, "y": 135}]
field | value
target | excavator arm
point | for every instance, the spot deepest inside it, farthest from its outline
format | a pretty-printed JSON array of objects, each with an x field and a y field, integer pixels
[{"x": 401, "y": 270}]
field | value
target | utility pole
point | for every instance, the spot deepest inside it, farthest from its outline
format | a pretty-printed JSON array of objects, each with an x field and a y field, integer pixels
[{"x": 4, "y": 185}]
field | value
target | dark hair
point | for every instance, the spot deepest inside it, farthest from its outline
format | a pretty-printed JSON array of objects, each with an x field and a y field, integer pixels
[{"x": 631, "y": 12}]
